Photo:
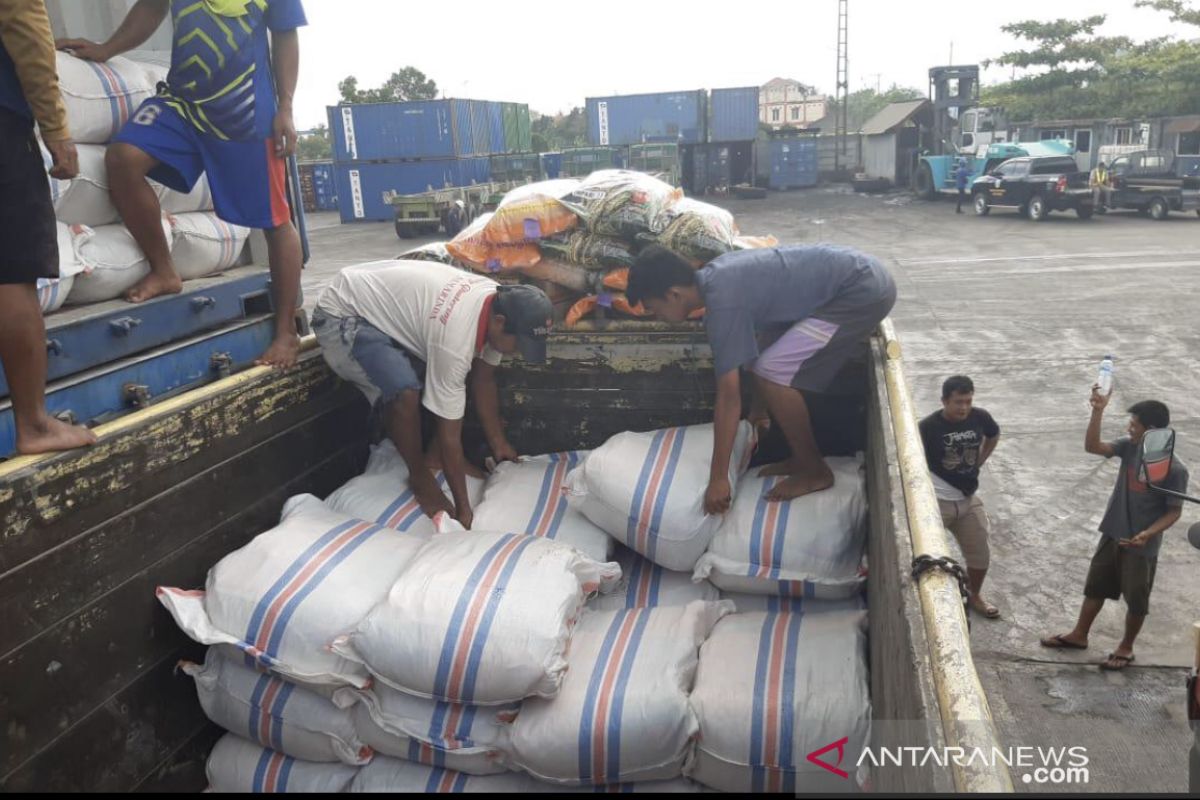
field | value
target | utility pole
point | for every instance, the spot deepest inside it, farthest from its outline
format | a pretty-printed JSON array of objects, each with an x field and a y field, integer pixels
[{"x": 842, "y": 112}]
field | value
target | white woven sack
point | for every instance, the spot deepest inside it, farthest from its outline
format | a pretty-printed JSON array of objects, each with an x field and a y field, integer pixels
[
  {"x": 198, "y": 199},
  {"x": 100, "y": 97},
  {"x": 52, "y": 292},
  {"x": 393, "y": 776},
  {"x": 274, "y": 713},
  {"x": 478, "y": 618},
  {"x": 622, "y": 715},
  {"x": 457, "y": 737},
  {"x": 281, "y": 599},
  {"x": 111, "y": 260},
  {"x": 773, "y": 688},
  {"x": 647, "y": 490},
  {"x": 810, "y": 547},
  {"x": 204, "y": 244},
  {"x": 84, "y": 199},
  {"x": 381, "y": 493},
  {"x": 644, "y": 584},
  {"x": 237, "y": 766},
  {"x": 751, "y": 603},
  {"x": 527, "y": 497}
]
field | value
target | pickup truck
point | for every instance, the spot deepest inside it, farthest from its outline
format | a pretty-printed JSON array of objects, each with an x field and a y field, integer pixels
[
  {"x": 1036, "y": 186},
  {"x": 1148, "y": 182}
]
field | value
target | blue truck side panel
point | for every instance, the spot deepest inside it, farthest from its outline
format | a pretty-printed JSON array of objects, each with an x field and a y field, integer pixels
[
  {"x": 733, "y": 115},
  {"x": 361, "y": 187},
  {"x": 794, "y": 163},
  {"x": 679, "y": 117}
]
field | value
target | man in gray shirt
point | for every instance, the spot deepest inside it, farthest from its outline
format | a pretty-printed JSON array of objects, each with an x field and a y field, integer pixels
[
  {"x": 819, "y": 303},
  {"x": 1131, "y": 531}
]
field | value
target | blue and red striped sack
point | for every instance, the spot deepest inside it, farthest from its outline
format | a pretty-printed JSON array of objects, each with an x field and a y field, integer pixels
[
  {"x": 775, "y": 687},
  {"x": 100, "y": 97},
  {"x": 622, "y": 715},
  {"x": 204, "y": 244},
  {"x": 478, "y": 618},
  {"x": 647, "y": 490},
  {"x": 381, "y": 494},
  {"x": 282, "y": 599},
  {"x": 446, "y": 735},
  {"x": 274, "y": 713},
  {"x": 238, "y": 766},
  {"x": 810, "y": 547},
  {"x": 528, "y": 497},
  {"x": 644, "y": 584}
]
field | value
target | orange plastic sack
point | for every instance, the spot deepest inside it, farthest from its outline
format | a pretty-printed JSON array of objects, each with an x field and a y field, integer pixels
[
  {"x": 615, "y": 302},
  {"x": 485, "y": 256},
  {"x": 531, "y": 213}
]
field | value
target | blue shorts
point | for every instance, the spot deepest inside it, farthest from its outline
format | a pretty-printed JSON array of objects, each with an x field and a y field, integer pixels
[
  {"x": 248, "y": 181},
  {"x": 367, "y": 357}
]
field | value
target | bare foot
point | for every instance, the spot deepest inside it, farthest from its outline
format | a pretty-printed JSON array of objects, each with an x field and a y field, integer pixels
[
  {"x": 801, "y": 484},
  {"x": 52, "y": 436},
  {"x": 282, "y": 354},
  {"x": 154, "y": 285},
  {"x": 776, "y": 470},
  {"x": 433, "y": 502}
]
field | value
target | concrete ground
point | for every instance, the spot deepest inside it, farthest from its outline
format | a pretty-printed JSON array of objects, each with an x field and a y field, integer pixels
[{"x": 1028, "y": 310}]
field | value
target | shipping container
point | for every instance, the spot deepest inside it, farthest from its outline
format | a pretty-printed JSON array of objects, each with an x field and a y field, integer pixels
[
  {"x": 579, "y": 162},
  {"x": 524, "y": 129},
  {"x": 382, "y": 131},
  {"x": 517, "y": 167},
  {"x": 552, "y": 165},
  {"x": 318, "y": 189},
  {"x": 794, "y": 163},
  {"x": 660, "y": 159},
  {"x": 496, "y": 135},
  {"x": 733, "y": 115},
  {"x": 362, "y": 188},
  {"x": 679, "y": 117}
]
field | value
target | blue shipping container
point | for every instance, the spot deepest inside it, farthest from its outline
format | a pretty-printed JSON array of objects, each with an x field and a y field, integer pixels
[
  {"x": 361, "y": 187},
  {"x": 325, "y": 187},
  {"x": 420, "y": 129},
  {"x": 552, "y": 165},
  {"x": 496, "y": 129},
  {"x": 794, "y": 163},
  {"x": 733, "y": 115},
  {"x": 679, "y": 117}
]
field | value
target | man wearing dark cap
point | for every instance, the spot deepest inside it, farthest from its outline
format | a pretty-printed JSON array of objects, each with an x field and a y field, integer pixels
[{"x": 411, "y": 333}]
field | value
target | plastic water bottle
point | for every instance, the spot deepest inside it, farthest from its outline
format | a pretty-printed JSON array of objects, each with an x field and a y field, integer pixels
[{"x": 1105, "y": 378}]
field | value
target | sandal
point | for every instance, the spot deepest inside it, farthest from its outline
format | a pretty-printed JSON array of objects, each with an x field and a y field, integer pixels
[
  {"x": 1059, "y": 642},
  {"x": 1116, "y": 663},
  {"x": 985, "y": 609}
]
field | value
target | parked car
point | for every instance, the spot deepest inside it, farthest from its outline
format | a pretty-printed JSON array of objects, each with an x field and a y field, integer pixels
[
  {"x": 1036, "y": 186},
  {"x": 1149, "y": 182}
]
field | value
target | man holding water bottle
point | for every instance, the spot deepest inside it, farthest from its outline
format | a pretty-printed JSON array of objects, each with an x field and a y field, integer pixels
[{"x": 1131, "y": 531}]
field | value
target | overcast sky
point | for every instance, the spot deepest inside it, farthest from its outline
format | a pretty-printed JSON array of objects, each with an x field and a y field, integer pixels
[{"x": 552, "y": 55}]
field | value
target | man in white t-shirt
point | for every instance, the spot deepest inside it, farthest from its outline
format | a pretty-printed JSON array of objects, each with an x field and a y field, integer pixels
[{"x": 411, "y": 333}]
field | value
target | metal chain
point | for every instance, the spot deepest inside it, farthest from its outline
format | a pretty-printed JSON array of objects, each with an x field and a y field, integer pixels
[{"x": 923, "y": 564}]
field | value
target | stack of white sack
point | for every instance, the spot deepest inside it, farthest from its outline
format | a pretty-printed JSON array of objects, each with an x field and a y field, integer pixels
[
  {"x": 382, "y": 494},
  {"x": 478, "y": 618},
  {"x": 280, "y": 600},
  {"x": 622, "y": 715},
  {"x": 812, "y": 546},
  {"x": 647, "y": 490},
  {"x": 111, "y": 261},
  {"x": 774, "y": 687},
  {"x": 203, "y": 244},
  {"x": 644, "y": 584},
  {"x": 238, "y": 766},
  {"x": 528, "y": 497}
]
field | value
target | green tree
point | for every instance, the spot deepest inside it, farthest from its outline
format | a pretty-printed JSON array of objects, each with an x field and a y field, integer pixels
[
  {"x": 315, "y": 146},
  {"x": 560, "y": 131},
  {"x": 1179, "y": 10},
  {"x": 409, "y": 83}
]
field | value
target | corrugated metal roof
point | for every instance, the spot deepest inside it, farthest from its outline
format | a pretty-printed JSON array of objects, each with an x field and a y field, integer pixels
[{"x": 893, "y": 116}]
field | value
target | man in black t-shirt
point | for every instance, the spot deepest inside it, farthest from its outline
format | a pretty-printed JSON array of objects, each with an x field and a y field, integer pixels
[{"x": 958, "y": 441}]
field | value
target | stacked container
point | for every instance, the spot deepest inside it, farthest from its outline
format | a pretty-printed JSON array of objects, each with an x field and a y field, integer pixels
[
  {"x": 318, "y": 186},
  {"x": 406, "y": 148},
  {"x": 666, "y": 117},
  {"x": 726, "y": 158},
  {"x": 794, "y": 162}
]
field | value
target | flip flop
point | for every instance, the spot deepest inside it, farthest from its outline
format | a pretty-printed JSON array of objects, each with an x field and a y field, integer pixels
[
  {"x": 1057, "y": 642},
  {"x": 1123, "y": 660}
]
